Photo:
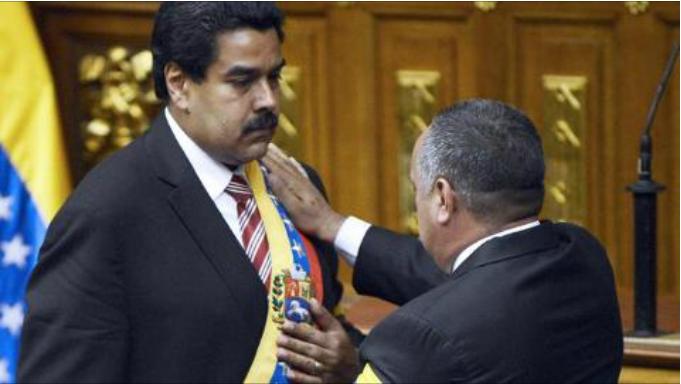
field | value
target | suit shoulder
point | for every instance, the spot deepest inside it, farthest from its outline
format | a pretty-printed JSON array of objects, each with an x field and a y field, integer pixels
[
  {"x": 579, "y": 238},
  {"x": 574, "y": 231},
  {"x": 113, "y": 182}
]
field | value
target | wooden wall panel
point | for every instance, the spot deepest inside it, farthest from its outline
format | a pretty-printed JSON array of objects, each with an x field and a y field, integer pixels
[
  {"x": 305, "y": 50},
  {"x": 441, "y": 46},
  {"x": 71, "y": 31},
  {"x": 354, "y": 150},
  {"x": 70, "y": 34},
  {"x": 644, "y": 44},
  {"x": 666, "y": 164},
  {"x": 672, "y": 204},
  {"x": 568, "y": 48}
]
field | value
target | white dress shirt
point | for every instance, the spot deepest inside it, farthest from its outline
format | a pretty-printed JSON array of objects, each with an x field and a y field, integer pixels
[
  {"x": 466, "y": 253},
  {"x": 351, "y": 234},
  {"x": 214, "y": 176}
]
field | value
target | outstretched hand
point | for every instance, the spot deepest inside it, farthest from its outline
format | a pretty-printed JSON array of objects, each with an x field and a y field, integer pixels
[
  {"x": 323, "y": 355},
  {"x": 305, "y": 204}
]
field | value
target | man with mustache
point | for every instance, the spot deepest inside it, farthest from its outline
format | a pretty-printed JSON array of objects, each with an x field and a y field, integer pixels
[{"x": 170, "y": 261}]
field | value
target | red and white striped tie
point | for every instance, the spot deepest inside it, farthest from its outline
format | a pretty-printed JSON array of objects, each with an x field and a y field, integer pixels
[{"x": 252, "y": 228}]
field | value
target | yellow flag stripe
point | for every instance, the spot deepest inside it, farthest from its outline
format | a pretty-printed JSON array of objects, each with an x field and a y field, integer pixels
[{"x": 29, "y": 121}]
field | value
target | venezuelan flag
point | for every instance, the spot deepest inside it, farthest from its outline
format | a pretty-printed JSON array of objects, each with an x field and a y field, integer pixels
[{"x": 34, "y": 179}]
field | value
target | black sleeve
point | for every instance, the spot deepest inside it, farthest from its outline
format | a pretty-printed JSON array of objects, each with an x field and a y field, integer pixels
[
  {"x": 394, "y": 267},
  {"x": 76, "y": 328},
  {"x": 406, "y": 349},
  {"x": 333, "y": 289}
]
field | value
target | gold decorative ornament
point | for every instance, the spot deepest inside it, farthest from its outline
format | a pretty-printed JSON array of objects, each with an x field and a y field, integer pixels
[
  {"x": 485, "y": 6},
  {"x": 565, "y": 134},
  {"x": 417, "y": 96},
  {"x": 558, "y": 191},
  {"x": 288, "y": 135},
  {"x": 637, "y": 7},
  {"x": 564, "y": 124},
  {"x": 118, "y": 96}
]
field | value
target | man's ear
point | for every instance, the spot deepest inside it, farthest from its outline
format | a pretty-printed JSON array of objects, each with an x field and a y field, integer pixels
[
  {"x": 177, "y": 83},
  {"x": 447, "y": 200}
]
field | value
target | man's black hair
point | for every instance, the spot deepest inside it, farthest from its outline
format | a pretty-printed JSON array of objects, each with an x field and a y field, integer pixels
[
  {"x": 492, "y": 154},
  {"x": 186, "y": 32}
]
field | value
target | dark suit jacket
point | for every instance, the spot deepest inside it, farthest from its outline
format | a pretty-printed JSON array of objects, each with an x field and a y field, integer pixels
[
  {"x": 534, "y": 306},
  {"x": 140, "y": 279}
]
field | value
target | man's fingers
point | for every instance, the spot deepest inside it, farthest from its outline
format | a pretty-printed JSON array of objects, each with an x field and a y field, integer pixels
[
  {"x": 302, "y": 337},
  {"x": 297, "y": 376},
  {"x": 299, "y": 167},
  {"x": 277, "y": 166},
  {"x": 282, "y": 161},
  {"x": 299, "y": 361},
  {"x": 324, "y": 319},
  {"x": 281, "y": 180},
  {"x": 276, "y": 151},
  {"x": 287, "y": 163}
]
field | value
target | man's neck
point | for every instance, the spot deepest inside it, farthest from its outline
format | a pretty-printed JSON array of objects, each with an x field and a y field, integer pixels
[
  {"x": 475, "y": 231},
  {"x": 181, "y": 121}
]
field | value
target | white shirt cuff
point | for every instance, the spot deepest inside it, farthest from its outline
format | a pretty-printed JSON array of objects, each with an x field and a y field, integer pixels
[{"x": 350, "y": 237}]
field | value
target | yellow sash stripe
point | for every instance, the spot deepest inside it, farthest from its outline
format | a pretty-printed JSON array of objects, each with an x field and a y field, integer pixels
[
  {"x": 265, "y": 359},
  {"x": 367, "y": 376}
]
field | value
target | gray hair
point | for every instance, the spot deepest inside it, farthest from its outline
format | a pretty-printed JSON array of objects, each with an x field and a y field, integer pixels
[{"x": 491, "y": 154}]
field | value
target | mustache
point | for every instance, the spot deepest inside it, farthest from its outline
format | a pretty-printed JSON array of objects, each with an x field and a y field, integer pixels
[{"x": 263, "y": 121}]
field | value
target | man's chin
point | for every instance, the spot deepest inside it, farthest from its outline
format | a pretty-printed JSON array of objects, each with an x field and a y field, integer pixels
[{"x": 255, "y": 151}]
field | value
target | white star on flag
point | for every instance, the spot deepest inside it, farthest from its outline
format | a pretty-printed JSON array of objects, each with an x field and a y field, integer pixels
[
  {"x": 15, "y": 252},
  {"x": 289, "y": 224},
  {"x": 296, "y": 247},
  {"x": 5, "y": 207},
  {"x": 4, "y": 371},
  {"x": 11, "y": 317}
]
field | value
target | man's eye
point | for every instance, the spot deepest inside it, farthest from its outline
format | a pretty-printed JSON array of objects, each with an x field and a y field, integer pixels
[
  {"x": 241, "y": 83},
  {"x": 274, "y": 77}
]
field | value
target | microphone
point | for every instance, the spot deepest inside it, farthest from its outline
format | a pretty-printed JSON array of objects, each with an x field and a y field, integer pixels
[
  {"x": 645, "y": 192},
  {"x": 645, "y": 158}
]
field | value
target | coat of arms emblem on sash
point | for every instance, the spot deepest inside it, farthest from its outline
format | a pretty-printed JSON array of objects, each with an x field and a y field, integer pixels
[{"x": 291, "y": 294}]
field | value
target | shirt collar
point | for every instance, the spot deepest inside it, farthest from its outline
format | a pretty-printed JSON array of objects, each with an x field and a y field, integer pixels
[
  {"x": 466, "y": 253},
  {"x": 214, "y": 176}
]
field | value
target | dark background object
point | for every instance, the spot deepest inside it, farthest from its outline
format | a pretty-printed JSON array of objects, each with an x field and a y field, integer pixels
[{"x": 645, "y": 192}]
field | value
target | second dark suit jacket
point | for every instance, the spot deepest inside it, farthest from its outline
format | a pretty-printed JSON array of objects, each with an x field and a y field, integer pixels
[
  {"x": 140, "y": 279},
  {"x": 534, "y": 306}
]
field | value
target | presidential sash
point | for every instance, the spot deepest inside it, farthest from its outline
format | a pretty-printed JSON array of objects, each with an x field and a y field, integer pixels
[{"x": 291, "y": 287}]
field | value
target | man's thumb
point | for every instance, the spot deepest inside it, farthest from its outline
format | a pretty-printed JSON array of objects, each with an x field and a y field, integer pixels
[{"x": 325, "y": 320}]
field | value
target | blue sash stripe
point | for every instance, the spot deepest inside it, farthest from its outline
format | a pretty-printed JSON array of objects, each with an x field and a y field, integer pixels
[{"x": 300, "y": 262}]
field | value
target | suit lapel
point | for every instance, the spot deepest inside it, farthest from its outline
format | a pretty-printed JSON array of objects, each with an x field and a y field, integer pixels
[
  {"x": 514, "y": 245},
  {"x": 198, "y": 213}
]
